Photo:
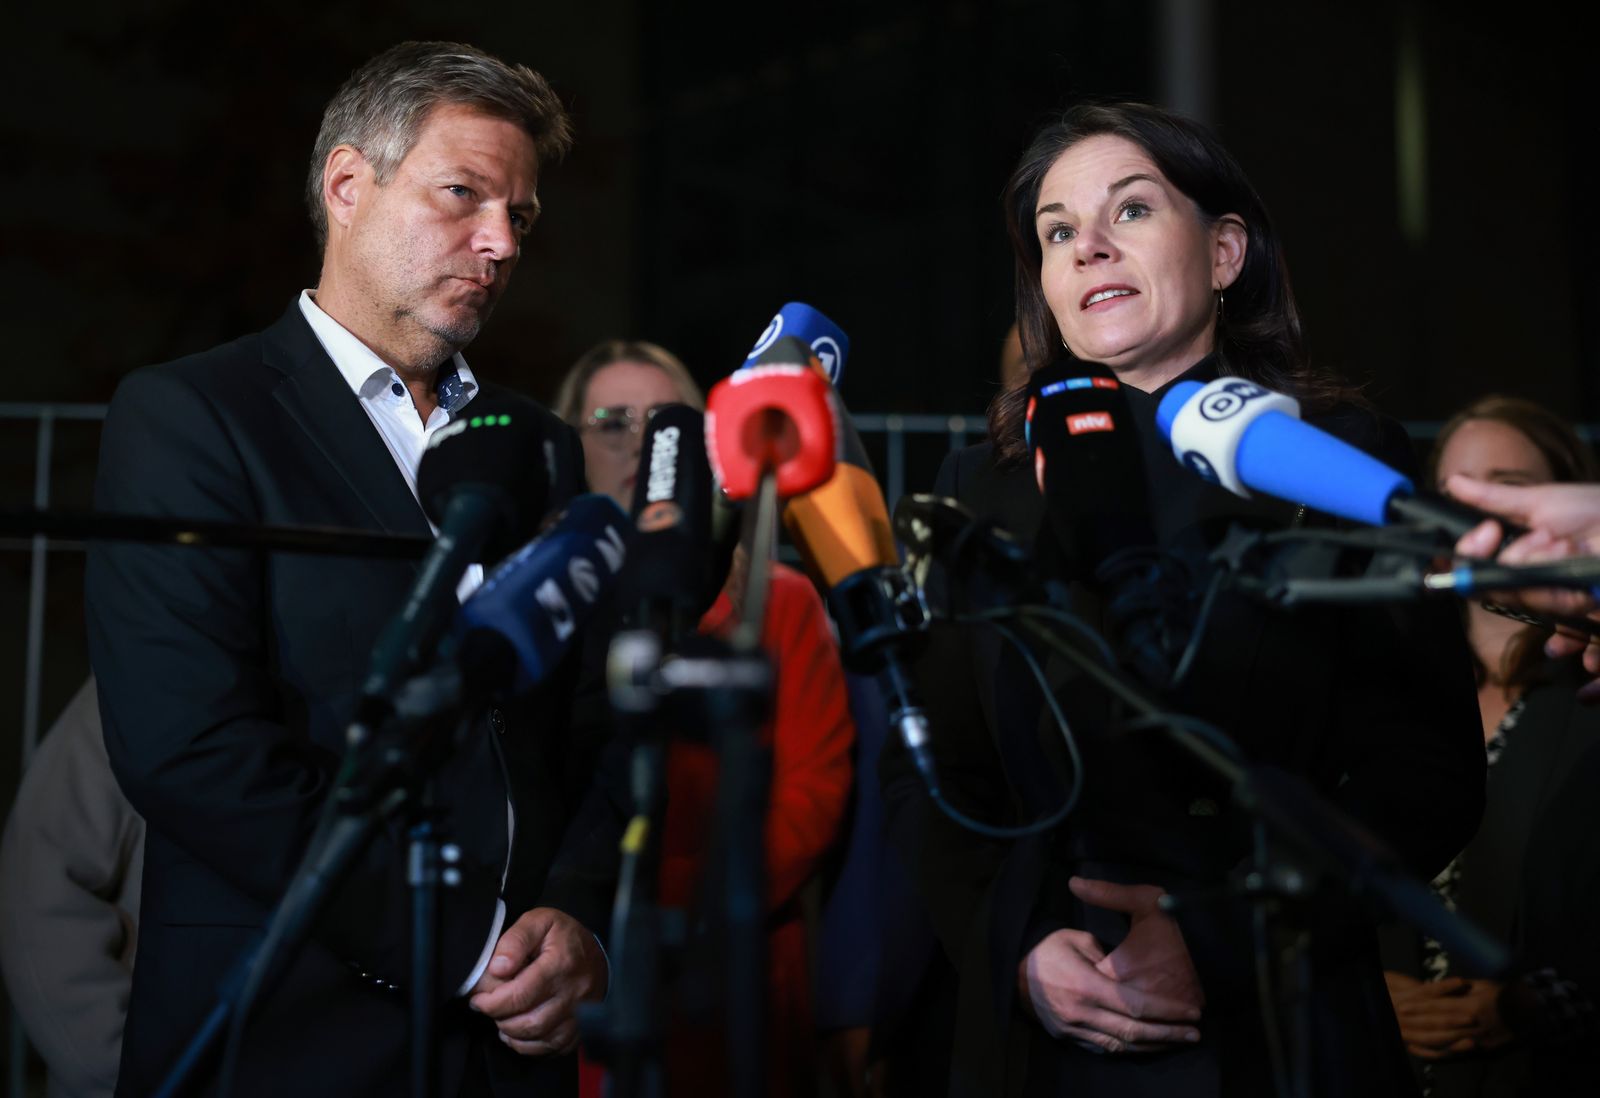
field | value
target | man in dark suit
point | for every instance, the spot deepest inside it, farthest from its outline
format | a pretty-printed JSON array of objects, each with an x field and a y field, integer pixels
[{"x": 226, "y": 676}]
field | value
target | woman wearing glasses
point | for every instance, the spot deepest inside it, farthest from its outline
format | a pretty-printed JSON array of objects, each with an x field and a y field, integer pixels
[{"x": 609, "y": 395}]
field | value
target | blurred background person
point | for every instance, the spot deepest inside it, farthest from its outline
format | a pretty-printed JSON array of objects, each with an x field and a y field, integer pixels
[
  {"x": 1534, "y": 729},
  {"x": 609, "y": 395},
  {"x": 70, "y": 866}
]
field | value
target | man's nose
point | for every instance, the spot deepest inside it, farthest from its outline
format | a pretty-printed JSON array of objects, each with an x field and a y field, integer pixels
[{"x": 496, "y": 237}]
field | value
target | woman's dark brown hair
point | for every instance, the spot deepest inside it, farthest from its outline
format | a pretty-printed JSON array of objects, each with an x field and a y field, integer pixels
[
  {"x": 1258, "y": 336},
  {"x": 1569, "y": 458}
]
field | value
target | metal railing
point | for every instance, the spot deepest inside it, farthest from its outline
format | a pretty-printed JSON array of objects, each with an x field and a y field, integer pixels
[{"x": 894, "y": 428}]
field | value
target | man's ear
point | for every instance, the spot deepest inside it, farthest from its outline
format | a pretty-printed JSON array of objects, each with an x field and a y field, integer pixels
[
  {"x": 346, "y": 177},
  {"x": 1231, "y": 240}
]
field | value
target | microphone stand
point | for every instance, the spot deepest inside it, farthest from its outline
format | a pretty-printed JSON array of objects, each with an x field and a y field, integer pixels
[
  {"x": 101, "y": 526},
  {"x": 1312, "y": 840},
  {"x": 386, "y": 777},
  {"x": 738, "y": 711},
  {"x": 724, "y": 686},
  {"x": 627, "y": 1031}
]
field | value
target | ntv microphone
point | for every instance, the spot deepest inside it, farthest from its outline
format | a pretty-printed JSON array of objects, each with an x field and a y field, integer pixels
[
  {"x": 1088, "y": 466},
  {"x": 483, "y": 482},
  {"x": 1097, "y": 530}
]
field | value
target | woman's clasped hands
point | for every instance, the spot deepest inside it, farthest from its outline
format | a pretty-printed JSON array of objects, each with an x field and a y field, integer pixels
[{"x": 1143, "y": 996}]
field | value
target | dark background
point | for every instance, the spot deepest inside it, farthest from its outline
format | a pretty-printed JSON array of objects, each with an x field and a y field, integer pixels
[{"x": 850, "y": 156}]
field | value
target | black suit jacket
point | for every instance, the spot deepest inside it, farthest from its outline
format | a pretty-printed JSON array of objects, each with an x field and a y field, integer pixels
[
  {"x": 1375, "y": 708},
  {"x": 226, "y": 678}
]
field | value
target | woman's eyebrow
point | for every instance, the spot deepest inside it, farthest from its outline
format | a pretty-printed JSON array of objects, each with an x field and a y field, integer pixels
[{"x": 1134, "y": 178}]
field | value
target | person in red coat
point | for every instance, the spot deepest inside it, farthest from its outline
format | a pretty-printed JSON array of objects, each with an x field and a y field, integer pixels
[{"x": 810, "y": 732}]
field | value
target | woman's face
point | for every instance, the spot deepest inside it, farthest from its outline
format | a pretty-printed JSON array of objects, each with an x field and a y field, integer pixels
[
  {"x": 1130, "y": 271},
  {"x": 626, "y": 391},
  {"x": 1487, "y": 449}
]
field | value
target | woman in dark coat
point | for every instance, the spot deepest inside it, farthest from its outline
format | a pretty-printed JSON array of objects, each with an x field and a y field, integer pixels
[
  {"x": 1141, "y": 246},
  {"x": 1534, "y": 731}
]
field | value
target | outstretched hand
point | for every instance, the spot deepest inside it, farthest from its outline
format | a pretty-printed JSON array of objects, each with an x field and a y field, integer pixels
[{"x": 1563, "y": 521}]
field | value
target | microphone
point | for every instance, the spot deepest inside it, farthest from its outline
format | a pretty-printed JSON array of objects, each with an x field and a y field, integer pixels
[
  {"x": 778, "y": 415},
  {"x": 1248, "y": 438},
  {"x": 825, "y": 339},
  {"x": 1577, "y": 573},
  {"x": 483, "y": 482},
  {"x": 1097, "y": 528},
  {"x": 984, "y": 566},
  {"x": 517, "y": 626},
  {"x": 844, "y": 513},
  {"x": 1089, "y": 468},
  {"x": 841, "y": 527},
  {"x": 673, "y": 575}
]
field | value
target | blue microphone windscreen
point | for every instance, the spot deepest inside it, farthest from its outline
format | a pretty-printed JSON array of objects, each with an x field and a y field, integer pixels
[
  {"x": 1176, "y": 398},
  {"x": 825, "y": 338},
  {"x": 1283, "y": 457},
  {"x": 546, "y": 591}
]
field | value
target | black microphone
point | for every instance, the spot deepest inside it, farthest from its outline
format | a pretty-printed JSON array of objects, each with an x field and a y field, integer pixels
[
  {"x": 982, "y": 565},
  {"x": 483, "y": 482},
  {"x": 673, "y": 575},
  {"x": 1575, "y": 573},
  {"x": 1097, "y": 529},
  {"x": 1088, "y": 466}
]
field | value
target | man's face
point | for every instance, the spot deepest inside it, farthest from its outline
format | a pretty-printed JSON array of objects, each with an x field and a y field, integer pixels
[{"x": 433, "y": 249}]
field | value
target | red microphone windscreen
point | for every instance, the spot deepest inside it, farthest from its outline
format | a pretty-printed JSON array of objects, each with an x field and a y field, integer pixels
[{"x": 777, "y": 417}]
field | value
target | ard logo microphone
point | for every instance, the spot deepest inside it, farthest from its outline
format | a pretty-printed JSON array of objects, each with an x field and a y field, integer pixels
[{"x": 825, "y": 339}]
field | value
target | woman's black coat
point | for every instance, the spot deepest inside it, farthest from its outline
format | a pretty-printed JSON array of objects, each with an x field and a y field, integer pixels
[{"x": 1374, "y": 706}]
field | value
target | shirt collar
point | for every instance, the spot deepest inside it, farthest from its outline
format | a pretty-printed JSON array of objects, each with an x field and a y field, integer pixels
[{"x": 367, "y": 374}]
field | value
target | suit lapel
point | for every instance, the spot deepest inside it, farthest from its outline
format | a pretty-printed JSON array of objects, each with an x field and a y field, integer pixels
[{"x": 322, "y": 406}]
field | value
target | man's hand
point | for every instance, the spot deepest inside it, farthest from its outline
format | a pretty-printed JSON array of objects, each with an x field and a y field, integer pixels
[
  {"x": 544, "y": 965},
  {"x": 1443, "y": 1018},
  {"x": 1136, "y": 999}
]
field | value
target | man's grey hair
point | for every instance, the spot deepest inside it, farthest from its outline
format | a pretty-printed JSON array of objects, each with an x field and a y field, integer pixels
[{"x": 381, "y": 109}]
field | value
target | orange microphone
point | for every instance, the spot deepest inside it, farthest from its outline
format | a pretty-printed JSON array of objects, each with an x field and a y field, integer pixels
[{"x": 842, "y": 530}]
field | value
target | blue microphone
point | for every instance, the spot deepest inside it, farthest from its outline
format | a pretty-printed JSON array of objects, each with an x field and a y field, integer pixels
[
  {"x": 1248, "y": 438},
  {"x": 800, "y": 321},
  {"x": 531, "y": 607}
]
